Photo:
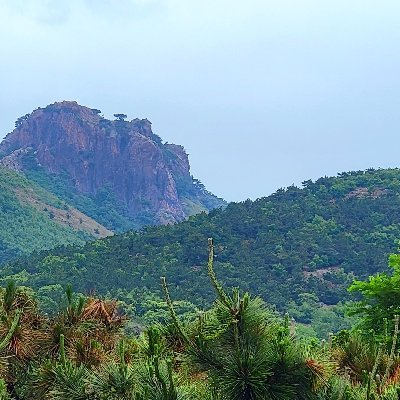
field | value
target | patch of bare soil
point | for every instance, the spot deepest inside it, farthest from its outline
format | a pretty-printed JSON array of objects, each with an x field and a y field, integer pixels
[
  {"x": 321, "y": 272},
  {"x": 363, "y": 192},
  {"x": 67, "y": 215}
]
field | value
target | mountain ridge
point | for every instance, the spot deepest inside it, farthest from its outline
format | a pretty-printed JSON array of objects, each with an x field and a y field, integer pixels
[{"x": 150, "y": 181}]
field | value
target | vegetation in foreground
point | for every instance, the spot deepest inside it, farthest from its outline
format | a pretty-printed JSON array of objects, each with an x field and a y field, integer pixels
[{"x": 237, "y": 349}]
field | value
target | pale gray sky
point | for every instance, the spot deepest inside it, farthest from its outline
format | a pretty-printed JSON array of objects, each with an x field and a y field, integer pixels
[{"x": 261, "y": 93}]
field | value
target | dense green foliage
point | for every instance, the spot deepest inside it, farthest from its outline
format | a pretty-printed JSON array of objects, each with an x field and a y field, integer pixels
[
  {"x": 23, "y": 227},
  {"x": 298, "y": 249},
  {"x": 238, "y": 349},
  {"x": 380, "y": 301}
]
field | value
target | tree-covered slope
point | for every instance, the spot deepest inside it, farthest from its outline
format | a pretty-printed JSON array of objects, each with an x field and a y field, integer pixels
[
  {"x": 312, "y": 240},
  {"x": 33, "y": 219}
]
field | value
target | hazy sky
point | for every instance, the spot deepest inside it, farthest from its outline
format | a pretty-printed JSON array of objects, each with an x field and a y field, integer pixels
[{"x": 262, "y": 94}]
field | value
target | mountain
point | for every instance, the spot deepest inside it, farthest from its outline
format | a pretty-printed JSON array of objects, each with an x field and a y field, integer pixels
[
  {"x": 33, "y": 219},
  {"x": 297, "y": 247},
  {"x": 118, "y": 172}
]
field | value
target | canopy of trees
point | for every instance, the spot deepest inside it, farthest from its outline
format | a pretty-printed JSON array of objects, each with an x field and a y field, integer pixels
[
  {"x": 312, "y": 240},
  {"x": 238, "y": 349}
]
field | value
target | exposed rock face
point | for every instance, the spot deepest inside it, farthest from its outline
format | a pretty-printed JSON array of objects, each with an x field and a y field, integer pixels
[
  {"x": 151, "y": 178},
  {"x": 13, "y": 161}
]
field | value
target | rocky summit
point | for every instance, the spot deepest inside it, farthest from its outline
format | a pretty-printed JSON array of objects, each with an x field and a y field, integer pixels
[{"x": 113, "y": 170}]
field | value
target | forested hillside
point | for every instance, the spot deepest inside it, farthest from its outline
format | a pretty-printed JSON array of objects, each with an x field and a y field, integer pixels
[
  {"x": 298, "y": 249},
  {"x": 33, "y": 219}
]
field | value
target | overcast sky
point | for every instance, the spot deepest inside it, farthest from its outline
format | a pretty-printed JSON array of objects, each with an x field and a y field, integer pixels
[{"x": 262, "y": 94}]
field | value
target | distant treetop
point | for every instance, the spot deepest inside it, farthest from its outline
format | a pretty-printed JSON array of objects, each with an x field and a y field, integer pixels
[
  {"x": 120, "y": 117},
  {"x": 21, "y": 120}
]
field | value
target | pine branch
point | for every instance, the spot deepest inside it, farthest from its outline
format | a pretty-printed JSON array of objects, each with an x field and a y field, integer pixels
[
  {"x": 172, "y": 310},
  {"x": 223, "y": 297},
  {"x": 393, "y": 349},
  {"x": 11, "y": 331},
  {"x": 62, "y": 350}
]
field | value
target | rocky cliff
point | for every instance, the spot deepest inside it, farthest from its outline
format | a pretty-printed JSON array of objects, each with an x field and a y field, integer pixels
[{"x": 91, "y": 155}]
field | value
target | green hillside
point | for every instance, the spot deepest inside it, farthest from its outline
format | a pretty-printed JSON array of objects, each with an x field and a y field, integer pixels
[
  {"x": 33, "y": 219},
  {"x": 298, "y": 248}
]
